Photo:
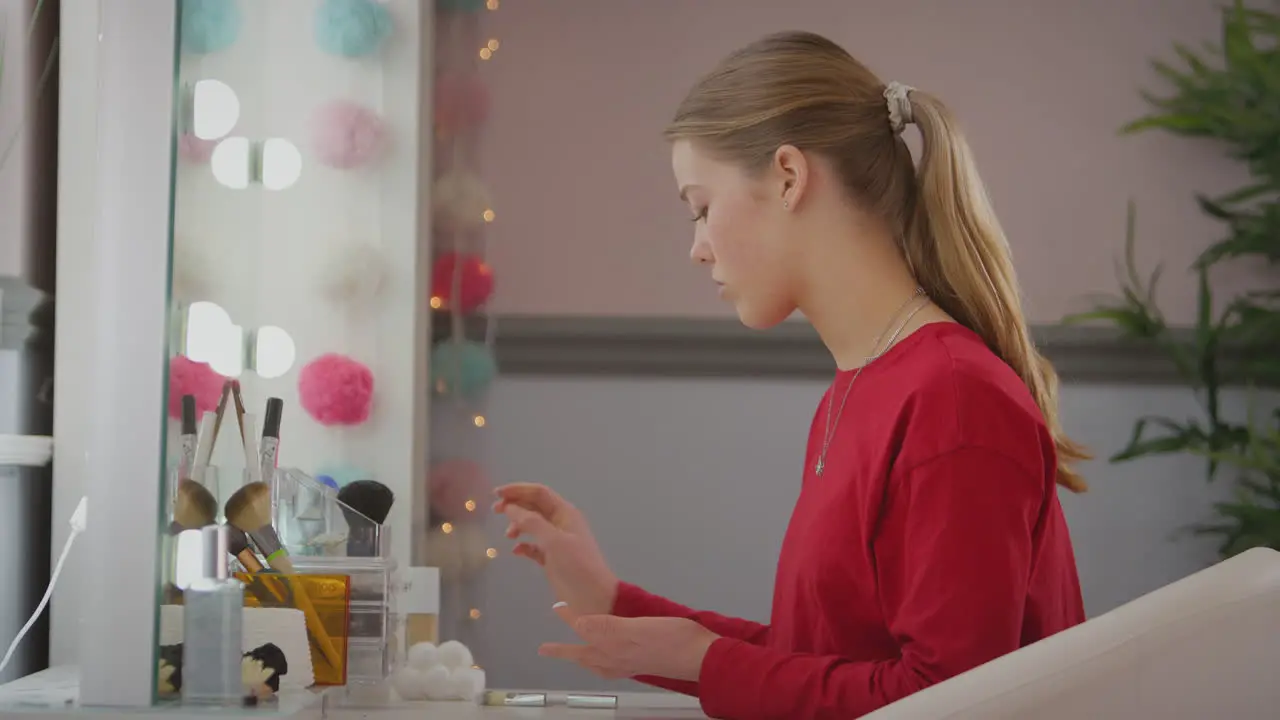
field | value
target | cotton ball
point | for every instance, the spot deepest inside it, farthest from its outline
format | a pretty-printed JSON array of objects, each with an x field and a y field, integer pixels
[
  {"x": 354, "y": 275},
  {"x": 209, "y": 25},
  {"x": 459, "y": 201},
  {"x": 410, "y": 683},
  {"x": 343, "y": 475},
  {"x": 346, "y": 135},
  {"x": 462, "y": 367},
  {"x": 468, "y": 683},
  {"x": 351, "y": 28},
  {"x": 198, "y": 379},
  {"x": 464, "y": 280},
  {"x": 423, "y": 656},
  {"x": 454, "y": 655},
  {"x": 452, "y": 484},
  {"x": 336, "y": 390},
  {"x": 437, "y": 683}
]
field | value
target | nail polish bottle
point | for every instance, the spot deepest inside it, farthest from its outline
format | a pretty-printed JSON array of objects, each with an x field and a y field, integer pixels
[{"x": 213, "y": 616}]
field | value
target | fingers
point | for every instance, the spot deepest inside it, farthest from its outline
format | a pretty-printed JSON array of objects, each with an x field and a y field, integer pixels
[
  {"x": 595, "y": 655},
  {"x": 533, "y": 496},
  {"x": 565, "y": 651},
  {"x": 598, "y": 630},
  {"x": 566, "y": 613},
  {"x": 531, "y": 551},
  {"x": 527, "y": 522}
]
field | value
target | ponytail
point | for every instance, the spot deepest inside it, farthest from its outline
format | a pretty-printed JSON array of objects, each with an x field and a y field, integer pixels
[{"x": 954, "y": 244}]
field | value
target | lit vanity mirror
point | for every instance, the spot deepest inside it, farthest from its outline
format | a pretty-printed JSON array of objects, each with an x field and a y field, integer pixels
[{"x": 292, "y": 385}]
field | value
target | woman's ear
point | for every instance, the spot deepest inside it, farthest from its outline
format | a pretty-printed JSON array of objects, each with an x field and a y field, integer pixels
[{"x": 790, "y": 175}]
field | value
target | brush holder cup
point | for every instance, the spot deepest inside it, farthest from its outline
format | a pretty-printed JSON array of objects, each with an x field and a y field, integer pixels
[
  {"x": 194, "y": 499},
  {"x": 324, "y": 536}
]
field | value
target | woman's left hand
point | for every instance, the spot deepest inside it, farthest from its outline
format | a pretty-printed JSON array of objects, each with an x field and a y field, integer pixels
[{"x": 618, "y": 647}]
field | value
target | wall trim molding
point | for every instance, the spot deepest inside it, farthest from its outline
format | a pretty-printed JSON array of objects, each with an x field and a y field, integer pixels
[{"x": 711, "y": 347}]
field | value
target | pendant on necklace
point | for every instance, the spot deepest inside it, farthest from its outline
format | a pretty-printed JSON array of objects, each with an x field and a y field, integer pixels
[{"x": 817, "y": 469}]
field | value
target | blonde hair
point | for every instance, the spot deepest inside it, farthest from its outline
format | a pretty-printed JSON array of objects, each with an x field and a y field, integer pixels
[{"x": 801, "y": 89}]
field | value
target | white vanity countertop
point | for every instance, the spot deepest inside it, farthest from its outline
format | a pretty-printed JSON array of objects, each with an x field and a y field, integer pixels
[
  {"x": 632, "y": 706},
  {"x": 50, "y": 694}
]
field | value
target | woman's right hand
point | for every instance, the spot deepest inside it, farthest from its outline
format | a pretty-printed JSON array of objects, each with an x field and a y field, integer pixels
[{"x": 559, "y": 540}]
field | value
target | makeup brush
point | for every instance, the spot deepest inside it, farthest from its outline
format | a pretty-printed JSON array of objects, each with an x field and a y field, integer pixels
[
  {"x": 218, "y": 413},
  {"x": 364, "y": 501},
  {"x": 187, "y": 440},
  {"x": 249, "y": 509},
  {"x": 238, "y": 545},
  {"x": 194, "y": 507}
]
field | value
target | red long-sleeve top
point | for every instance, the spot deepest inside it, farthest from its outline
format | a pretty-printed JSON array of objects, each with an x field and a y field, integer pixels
[{"x": 932, "y": 542}]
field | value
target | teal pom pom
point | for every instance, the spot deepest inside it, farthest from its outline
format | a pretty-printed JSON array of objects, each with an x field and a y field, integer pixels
[
  {"x": 351, "y": 28},
  {"x": 209, "y": 25},
  {"x": 462, "y": 368},
  {"x": 460, "y": 5},
  {"x": 342, "y": 475}
]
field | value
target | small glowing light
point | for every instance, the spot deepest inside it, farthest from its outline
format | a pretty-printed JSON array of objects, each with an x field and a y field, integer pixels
[
  {"x": 476, "y": 667},
  {"x": 492, "y": 4},
  {"x": 471, "y": 506},
  {"x": 492, "y": 44},
  {"x": 491, "y": 553},
  {"x": 475, "y": 613},
  {"x": 442, "y": 387},
  {"x": 479, "y": 421},
  {"x": 446, "y": 528},
  {"x": 488, "y": 215},
  {"x": 437, "y": 302}
]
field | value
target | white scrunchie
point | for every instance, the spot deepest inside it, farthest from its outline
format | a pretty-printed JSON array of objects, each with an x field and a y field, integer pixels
[{"x": 896, "y": 96}]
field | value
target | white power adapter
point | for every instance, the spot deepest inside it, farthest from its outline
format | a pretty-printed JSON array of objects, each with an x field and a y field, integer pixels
[{"x": 79, "y": 521}]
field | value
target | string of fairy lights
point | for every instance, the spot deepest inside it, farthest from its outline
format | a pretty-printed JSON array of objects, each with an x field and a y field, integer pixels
[{"x": 462, "y": 283}]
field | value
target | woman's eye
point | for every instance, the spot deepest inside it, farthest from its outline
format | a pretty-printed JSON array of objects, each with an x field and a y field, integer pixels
[{"x": 702, "y": 215}]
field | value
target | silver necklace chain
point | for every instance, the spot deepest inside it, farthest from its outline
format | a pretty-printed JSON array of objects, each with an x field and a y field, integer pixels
[{"x": 829, "y": 435}]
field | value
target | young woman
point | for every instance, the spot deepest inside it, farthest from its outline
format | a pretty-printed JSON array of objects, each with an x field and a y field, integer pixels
[{"x": 928, "y": 537}]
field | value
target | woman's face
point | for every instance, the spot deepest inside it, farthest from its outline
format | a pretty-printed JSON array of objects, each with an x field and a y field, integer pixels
[{"x": 738, "y": 235}]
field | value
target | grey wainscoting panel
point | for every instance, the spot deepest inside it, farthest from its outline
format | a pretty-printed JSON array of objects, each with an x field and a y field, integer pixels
[{"x": 697, "y": 347}]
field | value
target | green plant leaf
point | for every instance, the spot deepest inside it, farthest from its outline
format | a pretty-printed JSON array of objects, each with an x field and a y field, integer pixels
[{"x": 1176, "y": 438}]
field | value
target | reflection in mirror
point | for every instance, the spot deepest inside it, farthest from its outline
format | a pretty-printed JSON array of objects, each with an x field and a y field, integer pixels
[
  {"x": 230, "y": 163},
  {"x": 281, "y": 164},
  {"x": 273, "y": 351},
  {"x": 215, "y": 109},
  {"x": 212, "y": 338},
  {"x": 188, "y": 559}
]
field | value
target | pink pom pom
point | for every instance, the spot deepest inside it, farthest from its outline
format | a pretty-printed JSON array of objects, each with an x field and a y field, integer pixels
[
  {"x": 336, "y": 390},
  {"x": 475, "y": 281},
  {"x": 188, "y": 377},
  {"x": 194, "y": 149},
  {"x": 346, "y": 135},
  {"x": 461, "y": 102},
  {"x": 452, "y": 483}
]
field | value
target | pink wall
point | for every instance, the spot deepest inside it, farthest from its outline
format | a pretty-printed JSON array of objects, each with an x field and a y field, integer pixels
[{"x": 588, "y": 221}]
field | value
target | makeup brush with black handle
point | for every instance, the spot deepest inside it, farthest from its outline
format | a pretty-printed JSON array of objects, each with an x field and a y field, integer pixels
[{"x": 371, "y": 501}]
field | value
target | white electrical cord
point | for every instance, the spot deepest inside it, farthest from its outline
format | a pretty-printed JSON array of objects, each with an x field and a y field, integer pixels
[{"x": 79, "y": 520}]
